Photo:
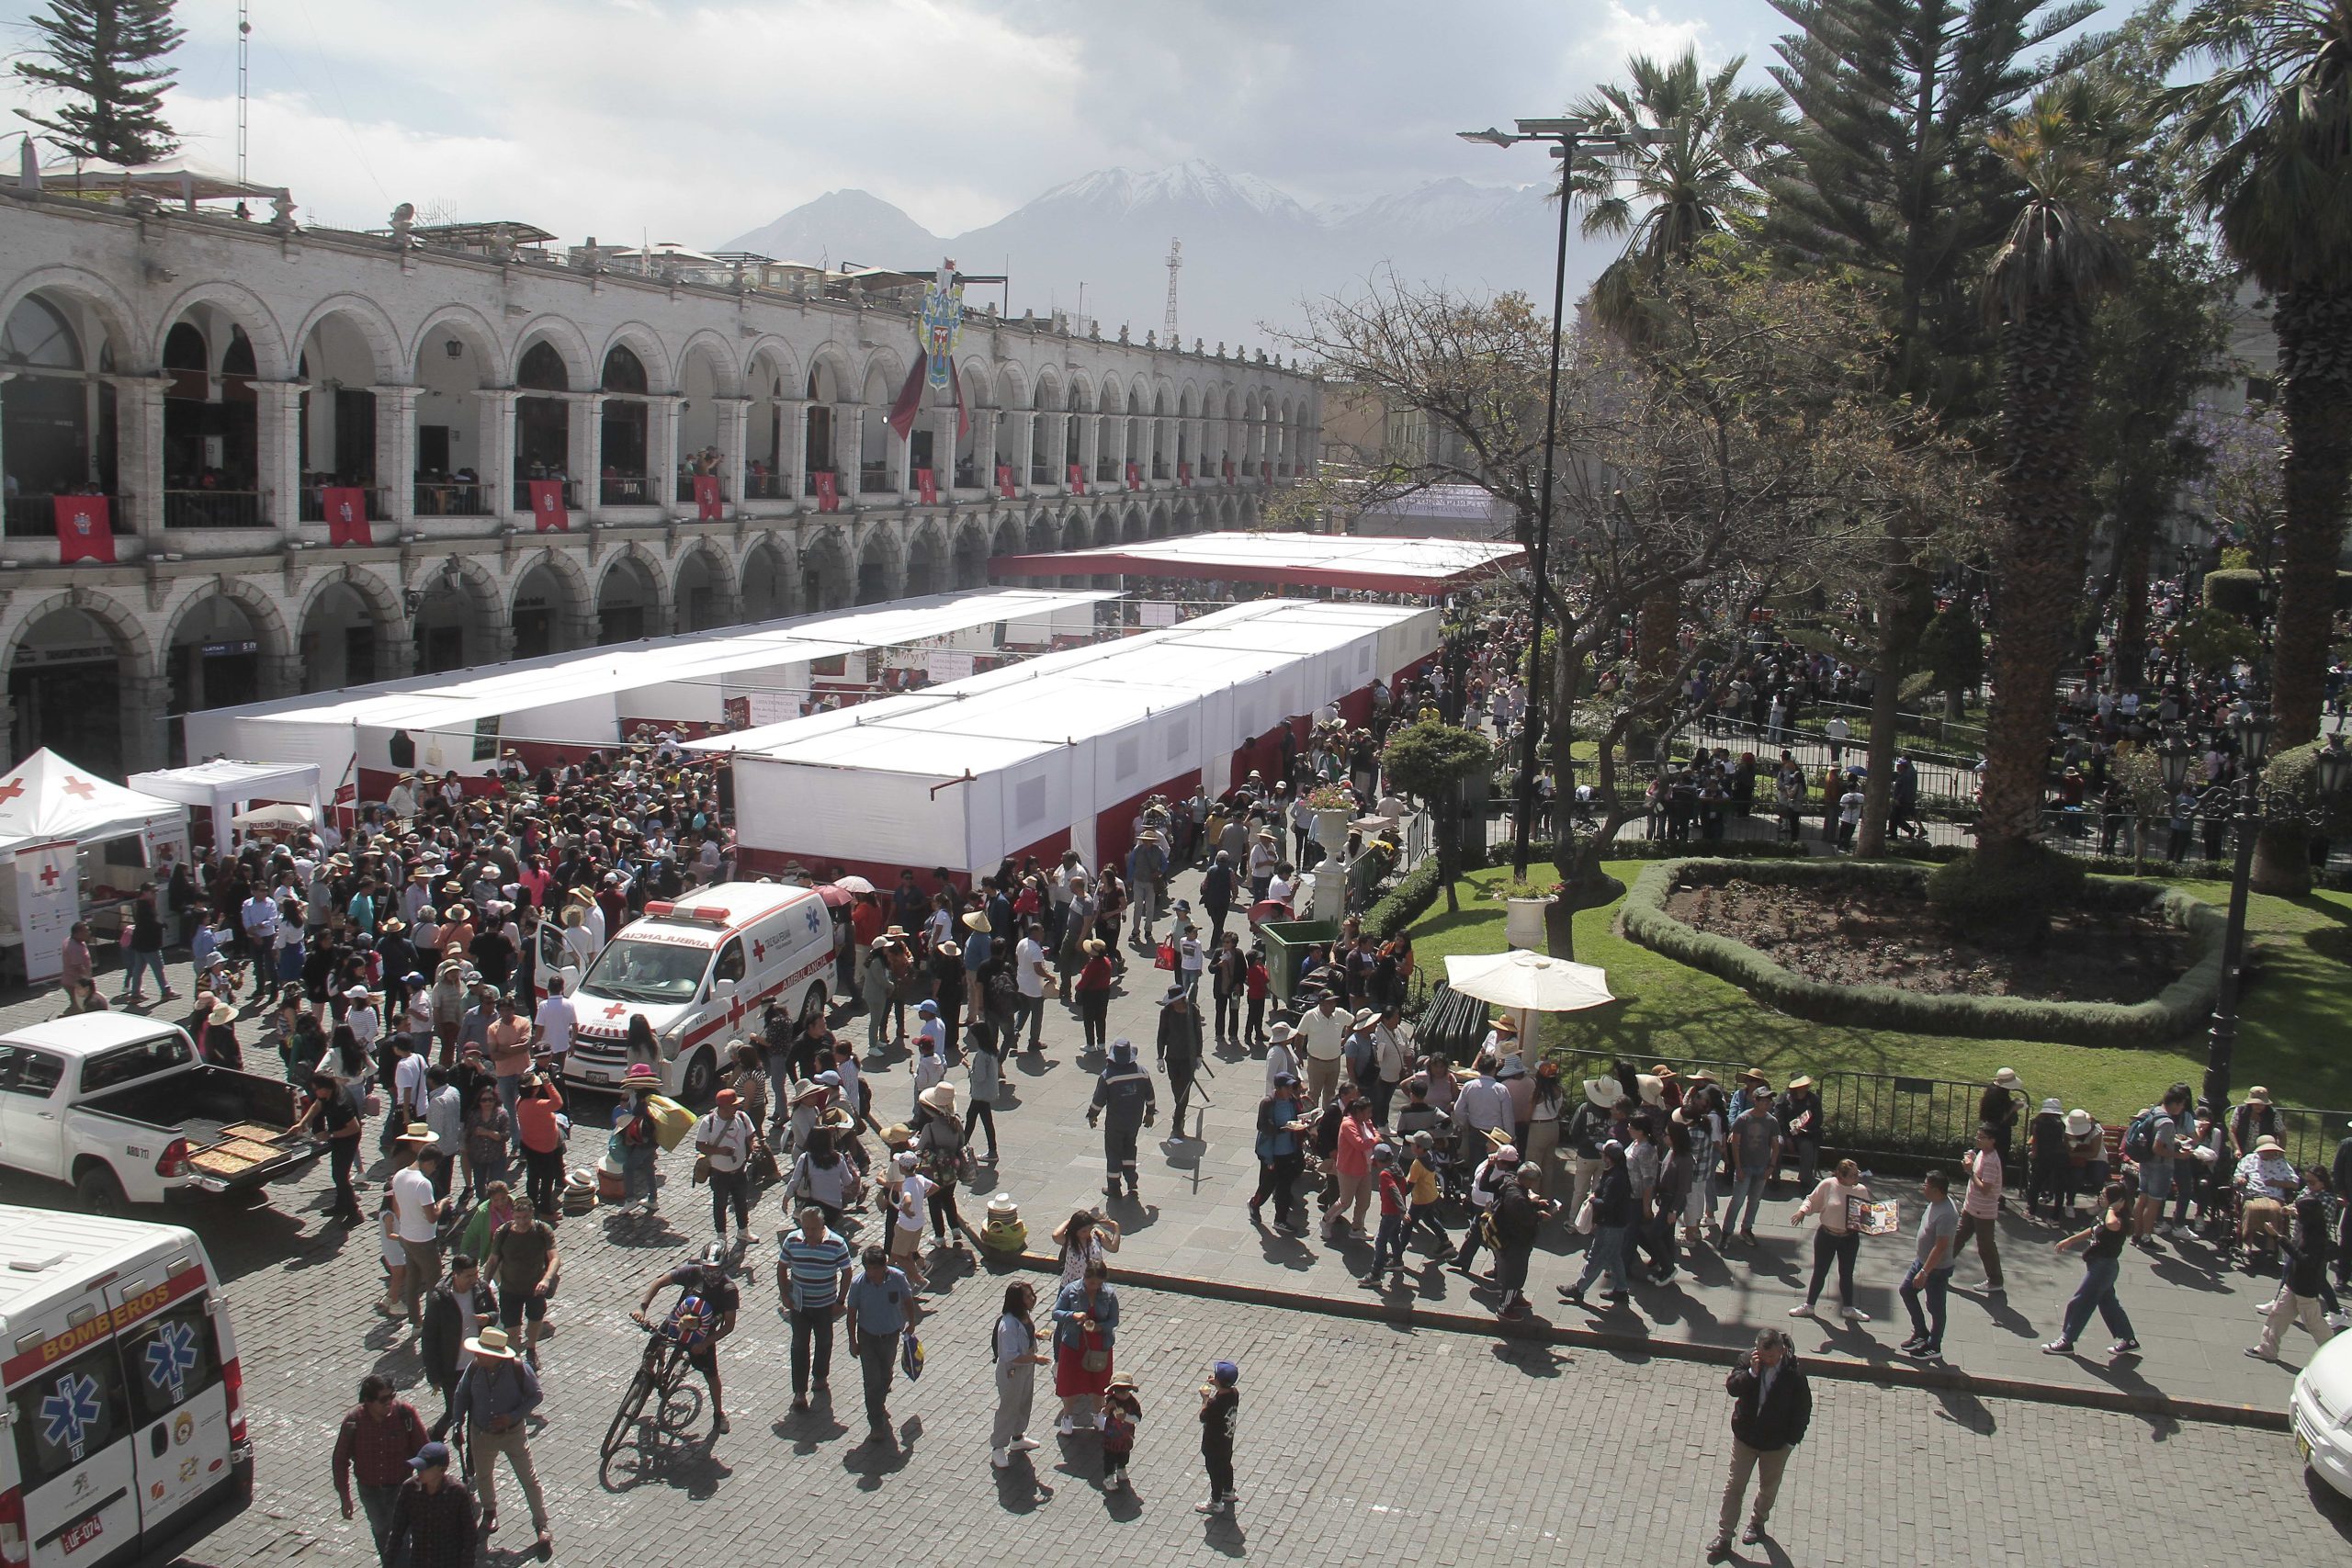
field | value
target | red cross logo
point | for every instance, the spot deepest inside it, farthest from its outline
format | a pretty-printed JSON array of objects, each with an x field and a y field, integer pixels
[
  {"x": 616, "y": 1011},
  {"x": 80, "y": 787},
  {"x": 759, "y": 950},
  {"x": 11, "y": 789},
  {"x": 49, "y": 875},
  {"x": 734, "y": 1011}
]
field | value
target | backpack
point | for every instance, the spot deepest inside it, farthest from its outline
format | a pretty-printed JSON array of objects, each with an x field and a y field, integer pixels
[{"x": 2140, "y": 1137}]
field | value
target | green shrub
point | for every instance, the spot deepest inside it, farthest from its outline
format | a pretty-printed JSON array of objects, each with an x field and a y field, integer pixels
[
  {"x": 2180, "y": 1009},
  {"x": 1406, "y": 902},
  {"x": 1659, "y": 849}
]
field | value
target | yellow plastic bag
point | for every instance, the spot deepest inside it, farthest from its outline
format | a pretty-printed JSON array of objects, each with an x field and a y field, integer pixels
[{"x": 672, "y": 1120}]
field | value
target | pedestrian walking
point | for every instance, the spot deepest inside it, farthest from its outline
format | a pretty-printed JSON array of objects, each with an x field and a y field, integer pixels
[
  {"x": 1612, "y": 1219},
  {"x": 1836, "y": 1239},
  {"x": 1388, "y": 1247},
  {"x": 372, "y": 1447},
  {"x": 1220, "y": 1418},
  {"x": 1179, "y": 1052},
  {"x": 494, "y": 1395},
  {"x": 984, "y": 1072},
  {"x": 813, "y": 1267},
  {"x": 416, "y": 1219},
  {"x": 880, "y": 1306},
  {"x": 1093, "y": 989},
  {"x": 2102, "y": 1260},
  {"x": 1281, "y": 1157},
  {"x": 1517, "y": 1215},
  {"x": 1930, "y": 1274},
  {"x": 1980, "y": 1209},
  {"x": 454, "y": 1312},
  {"x": 2304, "y": 1278},
  {"x": 432, "y": 1522},
  {"x": 723, "y": 1139},
  {"x": 1771, "y": 1405},
  {"x": 1017, "y": 1360},
  {"x": 1124, "y": 1104}
]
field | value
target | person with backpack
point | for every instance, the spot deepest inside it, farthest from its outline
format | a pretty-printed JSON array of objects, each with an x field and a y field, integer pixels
[{"x": 2152, "y": 1141}]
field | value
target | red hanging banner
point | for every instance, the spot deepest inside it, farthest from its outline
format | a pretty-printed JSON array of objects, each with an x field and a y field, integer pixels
[
  {"x": 1004, "y": 480},
  {"x": 829, "y": 495},
  {"x": 1265, "y": 471},
  {"x": 547, "y": 508},
  {"x": 85, "y": 528},
  {"x": 1077, "y": 480},
  {"x": 927, "y": 486},
  {"x": 709, "y": 504},
  {"x": 1228, "y": 470},
  {"x": 1135, "y": 476},
  {"x": 1184, "y": 473},
  {"x": 347, "y": 510}
]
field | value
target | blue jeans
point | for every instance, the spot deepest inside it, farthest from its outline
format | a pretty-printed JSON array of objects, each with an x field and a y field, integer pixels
[
  {"x": 638, "y": 1169},
  {"x": 1933, "y": 1283},
  {"x": 139, "y": 964},
  {"x": 1748, "y": 1184},
  {"x": 2097, "y": 1289},
  {"x": 1608, "y": 1252},
  {"x": 1389, "y": 1246}
]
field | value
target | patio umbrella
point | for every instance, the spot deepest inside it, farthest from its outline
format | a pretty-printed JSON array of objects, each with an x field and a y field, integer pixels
[
  {"x": 854, "y": 885},
  {"x": 279, "y": 813},
  {"x": 836, "y": 896},
  {"x": 1528, "y": 982}
]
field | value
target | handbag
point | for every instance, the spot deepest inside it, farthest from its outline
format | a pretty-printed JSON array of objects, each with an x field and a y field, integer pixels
[
  {"x": 1586, "y": 1222},
  {"x": 702, "y": 1169},
  {"x": 1165, "y": 956},
  {"x": 1095, "y": 1359}
]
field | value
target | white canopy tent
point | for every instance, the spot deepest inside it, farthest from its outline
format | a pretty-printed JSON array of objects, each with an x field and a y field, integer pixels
[
  {"x": 1059, "y": 752},
  {"x": 65, "y": 828},
  {"x": 225, "y": 787},
  {"x": 462, "y": 720}
]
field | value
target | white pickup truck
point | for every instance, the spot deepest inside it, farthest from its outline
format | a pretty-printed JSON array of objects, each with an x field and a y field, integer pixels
[{"x": 121, "y": 1108}]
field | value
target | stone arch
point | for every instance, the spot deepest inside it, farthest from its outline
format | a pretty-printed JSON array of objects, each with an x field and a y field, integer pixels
[
  {"x": 926, "y": 569},
  {"x": 1041, "y": 537},
  {"x": 1011, "y": 384},
  {"x": 829, "y": 361},
  {"x": 244, "y": 307},
  {"x": 224, "y": 644},
  {"x": 115, "y": 313},
  {"x": 1131, "y": 525},
  {"x": 368, "y": 319},
  {"x": 646, "y": 343},
  {"x": 703, "y": 588},
  {"x": 471, "y": 327},
  {"x": 704, "y": 379},
  {"x": 828, "y": 572},
  {"x": 771, "y": 577},
  {"x": 771, "y": 359},
  {"x": 632, "y": 593},
  {"x": 1077, "y": 534},
  {"x": 1156, "y": 525},
  {"x": 119, "y": 622},
  {"x": 343, "y": 631},
  {"x": 558, "y": 332},
  {"x": 93, "y": 711},
  {"x": 970, "y": 565},
  {"x": 1106, "y": 528},
  {"x": 708, "y": 343},
  {"x": 560, "y": 617},
  {"x": 1008, "y": 538},
  {"x": 462, "y": 624},
  {"x": 881, "y": 566}
]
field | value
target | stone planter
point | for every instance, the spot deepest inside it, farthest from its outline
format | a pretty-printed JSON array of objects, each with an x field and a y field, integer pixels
[
  {"x": 1331, "y": 831},
  {"x": 1523, "y": 923}
]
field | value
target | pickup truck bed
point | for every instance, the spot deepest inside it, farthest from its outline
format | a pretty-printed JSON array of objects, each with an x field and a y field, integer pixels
[{"x": 200, "y": 1103}]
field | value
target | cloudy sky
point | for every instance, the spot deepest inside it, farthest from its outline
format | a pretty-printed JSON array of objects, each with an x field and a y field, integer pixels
[{"x": 693, "y": 122}]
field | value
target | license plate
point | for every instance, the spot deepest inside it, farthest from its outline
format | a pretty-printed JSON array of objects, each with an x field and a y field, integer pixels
[
  {"x": 2302, "y": 1448},
  {"x": 82, "y": 1533},
  {"x": 597, "y": 1074}
]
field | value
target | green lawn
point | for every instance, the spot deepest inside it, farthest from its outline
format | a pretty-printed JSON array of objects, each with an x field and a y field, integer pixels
[{"x": 2293, "y": 1036}]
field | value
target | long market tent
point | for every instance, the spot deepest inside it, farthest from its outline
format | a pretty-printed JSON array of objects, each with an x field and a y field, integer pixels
[
  {"x": 1374, "y": 563},
  {"x": 462, "y": 720},
  {"x": 224, "y": 785},
  {"x": 1059, "y": 752}
]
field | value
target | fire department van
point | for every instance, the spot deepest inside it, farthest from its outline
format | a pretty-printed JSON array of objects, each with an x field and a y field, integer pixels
[
  {"x": 700, "y": 971},
  {"x": 125, "y": 1402}
]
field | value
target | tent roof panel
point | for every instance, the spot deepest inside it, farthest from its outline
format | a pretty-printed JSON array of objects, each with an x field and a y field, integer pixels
[{"x": 1398, "y": 564}]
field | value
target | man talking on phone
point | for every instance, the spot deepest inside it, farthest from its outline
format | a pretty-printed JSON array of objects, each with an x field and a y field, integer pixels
[{"x": 1770, "y": 1405}]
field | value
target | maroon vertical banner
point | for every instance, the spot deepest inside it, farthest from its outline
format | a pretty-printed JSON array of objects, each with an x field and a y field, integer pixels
[
  {"x": 1004, "y": 480},
  {"x": 1077, "y": 480},
  {"x": 1265, "y": 470},
  {"x": 709, "y": 504},
  {"x": 829, "y": 492},
  {"x": 1184, "y": 473},
  {"x": 85, "y": 528},
  {"x": 347, "y": 510},
  {"x": 927, "y": 486},
  {"x": 1135, "y": 476},
  {"x": 1228, "y": 470},
  {"x": 548, "y": 509}
]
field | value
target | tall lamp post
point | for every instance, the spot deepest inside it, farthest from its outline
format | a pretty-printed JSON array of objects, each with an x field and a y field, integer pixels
[
  {"x": 1562, "y": 134},
  {"x": 2253, "y": 807}
]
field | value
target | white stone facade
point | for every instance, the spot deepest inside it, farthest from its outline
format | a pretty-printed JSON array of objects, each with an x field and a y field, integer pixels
[{"x": 211, "y": 374}]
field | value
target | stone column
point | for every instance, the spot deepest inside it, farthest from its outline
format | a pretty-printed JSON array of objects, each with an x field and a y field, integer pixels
[
  {"x": 281, "y": 675},
  {"x": 586, "y": 434},
  {"x": 734, "y": 451},
  {"x": 1090, "y": 446},
  {"x": 943, "y": 439},
  {"x": 661, "y": 452},
  {"x": 278, "y": 442},
  {"x": 792, "y": 461},
  {"x": 146, "y": 723},
  {"x": 396, "y": 453},
  {"x": 849, "y": 452},
  {"x": 8, "y": 730},
  {"x": 495, "y": 444}
]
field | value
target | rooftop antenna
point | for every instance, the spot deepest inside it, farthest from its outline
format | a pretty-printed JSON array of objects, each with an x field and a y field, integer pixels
[
  {"x": 1175, "y": 262},
  {"x": 244, "y": 37}
]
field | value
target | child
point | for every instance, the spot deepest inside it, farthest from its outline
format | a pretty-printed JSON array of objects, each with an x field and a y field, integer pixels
[
  {"x": 1255, "y": 982},
  {"x": 1220, "y": 1413},
  {"x": 1389, "y": 1244},
  {"x": 1121, "y": 1412}
]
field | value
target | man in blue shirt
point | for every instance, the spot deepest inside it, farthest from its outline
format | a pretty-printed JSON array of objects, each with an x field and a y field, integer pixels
[
  {"x": 880, "y": 1306},
  {"x": 494, "y": 1395},
  {"x": 812, "y": 1276}
]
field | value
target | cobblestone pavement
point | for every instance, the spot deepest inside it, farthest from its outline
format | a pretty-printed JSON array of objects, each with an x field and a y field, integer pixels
[{"x": 1359, "y": 1438}]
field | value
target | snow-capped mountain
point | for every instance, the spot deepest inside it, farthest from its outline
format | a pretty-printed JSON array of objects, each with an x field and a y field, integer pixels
[{"x": 1252, "y": 253}]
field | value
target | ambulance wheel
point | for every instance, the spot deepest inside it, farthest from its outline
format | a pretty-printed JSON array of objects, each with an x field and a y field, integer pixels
[
  {"x": 701, "y": 1081},
  {"x": 812, "y": 1005}
]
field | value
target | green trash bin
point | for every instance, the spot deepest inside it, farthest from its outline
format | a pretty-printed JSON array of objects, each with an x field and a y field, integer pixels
[{"x": 1286, "y": 944}]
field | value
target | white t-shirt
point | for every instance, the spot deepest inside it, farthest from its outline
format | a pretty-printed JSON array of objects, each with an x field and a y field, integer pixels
[
  {"x": 411, "y": 1196},
  {"x": 1026, "y": 955},
  {"x": 555, "y": 1019},
  {"x": 914, "y": 1205},
  {"x": 408, "y": 1083},
  {"x": 728, "y": 1141},
  {"x": 365, "y": 1024}
]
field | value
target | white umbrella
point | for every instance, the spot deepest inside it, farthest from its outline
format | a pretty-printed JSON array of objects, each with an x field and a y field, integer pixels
[
  {"x": 278, "y": 814},
  {"x": 1528, "y": 982},
  {"x": 853, "y": 884}
]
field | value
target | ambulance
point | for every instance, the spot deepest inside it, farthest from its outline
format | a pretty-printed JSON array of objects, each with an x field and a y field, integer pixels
[
  {"x": 125, "y": 1401},
  {"x": 700, "y": 970}
]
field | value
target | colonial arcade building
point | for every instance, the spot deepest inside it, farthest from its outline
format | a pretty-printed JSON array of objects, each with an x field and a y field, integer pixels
[{"x": 223, "y": 381}]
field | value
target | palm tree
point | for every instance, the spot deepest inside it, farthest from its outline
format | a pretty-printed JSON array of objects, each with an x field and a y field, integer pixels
[
  {"x": 2061, "y": 253},
  {"x": 2276, "y": 115},
  {"x": 1680, "y": 156}
]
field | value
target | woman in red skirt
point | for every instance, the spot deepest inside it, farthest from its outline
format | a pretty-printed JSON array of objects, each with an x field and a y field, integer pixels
[{"x": 1086, "y": 1321}]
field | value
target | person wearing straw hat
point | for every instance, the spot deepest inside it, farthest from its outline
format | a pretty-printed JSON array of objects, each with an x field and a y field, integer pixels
[
  {"x": 495, "y": 1395},
  {"x": 416, "y": 1216},
  {"x": 979, "y": 947},
  {"x": 218, "y": 1040}
]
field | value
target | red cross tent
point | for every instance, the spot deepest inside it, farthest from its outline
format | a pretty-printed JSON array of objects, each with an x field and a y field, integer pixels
[{"x": 71, "y": 835}]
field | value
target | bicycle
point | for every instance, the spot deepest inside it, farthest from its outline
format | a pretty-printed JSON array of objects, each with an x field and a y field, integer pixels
[{"x": 665, "y": 1372}]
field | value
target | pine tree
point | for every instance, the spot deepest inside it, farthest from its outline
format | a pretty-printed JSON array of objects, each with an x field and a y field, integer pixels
[{"x": 105, "y": 51}]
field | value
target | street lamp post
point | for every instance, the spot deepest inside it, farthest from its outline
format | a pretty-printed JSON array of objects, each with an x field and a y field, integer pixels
[{"x": 1563, "y": 135}]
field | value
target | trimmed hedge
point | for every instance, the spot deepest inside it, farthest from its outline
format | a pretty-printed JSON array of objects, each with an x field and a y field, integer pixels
[
  {"x": 1405, "y": 903},
  {"x": 2180, "y": 1009},
  {"x": 1659, "y": 849}
]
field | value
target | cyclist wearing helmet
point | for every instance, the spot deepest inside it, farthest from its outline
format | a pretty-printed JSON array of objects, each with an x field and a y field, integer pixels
[{"x": 703, "y": 1314}]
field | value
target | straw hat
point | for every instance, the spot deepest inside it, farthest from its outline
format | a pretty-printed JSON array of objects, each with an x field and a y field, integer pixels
[
  {"x": 949, "y": 950},
  {"x": 837, "y": 1118},
  {"x": 420, "y": 1135},
  {"x": 2267, "y": 1145},
  {"x": 1604, "y": 1092},
  {"x": 1701, "y": 1076},
  {"x": 2258, "y": 1094},
  {"x": 1800, "y": 1082},
  {"x": 2006, "y": 1078},
  {"x": 1094, "y": 946},
  {"x": 2078, "y": 1122},
  {"x": 939, "y": 1097},
  {"x": 492, "y": 1342},
  {"x": 1281, "y": 1034},
  {"x": 979, "y": 920},
  {"x": 1121, "y": 1379},
  {"x": 1661, "y": 1070},
  {"x": 1752, "y": 1075},
  {"x": 221, "y": 1013},
  {"x": 1364, "y": 1019}
]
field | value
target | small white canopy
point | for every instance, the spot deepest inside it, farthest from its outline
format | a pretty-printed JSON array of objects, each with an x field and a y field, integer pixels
[
  {"x": 224, "y": 786},
  {"x": 1528, "y": 982},
  {"x": 46, "y": 799}
]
